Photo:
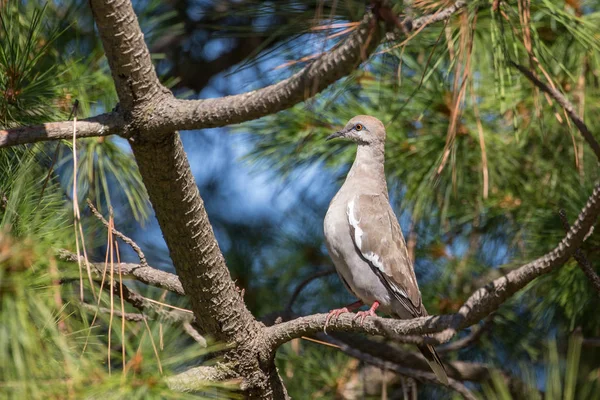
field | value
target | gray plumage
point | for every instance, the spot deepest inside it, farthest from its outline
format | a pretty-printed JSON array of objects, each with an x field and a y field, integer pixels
[{"x": 364, "y": 238}]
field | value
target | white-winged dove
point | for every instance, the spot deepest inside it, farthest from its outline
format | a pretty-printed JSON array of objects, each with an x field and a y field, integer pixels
[{"x": 364, "y": 238}]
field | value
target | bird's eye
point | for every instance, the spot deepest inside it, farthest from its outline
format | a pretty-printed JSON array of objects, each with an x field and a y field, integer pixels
[{"x": 358, "y": 127}]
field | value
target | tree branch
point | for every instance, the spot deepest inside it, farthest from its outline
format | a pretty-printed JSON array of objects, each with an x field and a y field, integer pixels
[
  {"x": 138, "y": 86},
  {"x": 139, "y": 317},
  {"x": 127, "y": 54},
  {"x": 468, "y": 340},
  {"x": 405, "y": 371},
  {"x": 165, "y": 312},
  {"x": 118, "y": 234},
  {"x": 315, "y": 77},
  {"x": 102, "y": 125},
  {"x": 190, "y": 330},
  {"x": 565, "y": 104},
  {"x": 481, "y": 303},
  {"x": 195, "y": 379},
  {"x": 145, "y": 274},
  {"x": 133, "y": 317},
  {"x": 581, "y": 259},
  {"x": 304, "y": 283}
]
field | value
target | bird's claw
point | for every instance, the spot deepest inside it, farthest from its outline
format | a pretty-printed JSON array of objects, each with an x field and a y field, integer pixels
[
  {"x": 364, "y": 314},
  {"x": 369, "y": 313},
  {"x": 334, "y": 314}
]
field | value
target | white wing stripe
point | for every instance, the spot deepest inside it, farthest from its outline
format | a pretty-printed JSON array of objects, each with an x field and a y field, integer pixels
[
  {"x": 370, "y": 256},
  {"x": 358, "y": 232}
]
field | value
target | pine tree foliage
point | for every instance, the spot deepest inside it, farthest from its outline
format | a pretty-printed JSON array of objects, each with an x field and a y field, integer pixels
[{"x": 478, "y": 161}]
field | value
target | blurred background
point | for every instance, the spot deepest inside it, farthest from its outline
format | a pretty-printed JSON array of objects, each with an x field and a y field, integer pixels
[{"x": 479, "y": 162}]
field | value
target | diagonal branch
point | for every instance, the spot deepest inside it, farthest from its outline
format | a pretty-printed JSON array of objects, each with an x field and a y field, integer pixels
[
  {"x": 481, "y": 303},
  {"x": 566, "y": 105},
  {"x": 581, "y": 259},
  {"x": 458, "y": 370}
]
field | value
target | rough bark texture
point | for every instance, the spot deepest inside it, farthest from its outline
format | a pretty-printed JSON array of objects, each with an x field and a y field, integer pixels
[
  {"x": 184, "y": 223},
  {"x": 101, "y": 125},
  {"x": 128, "y": 56}
]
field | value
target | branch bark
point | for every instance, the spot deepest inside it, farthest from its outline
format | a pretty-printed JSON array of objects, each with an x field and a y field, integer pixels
[
  {"x": 195, "y": 379},
  {"x": 481, "y": 303},
  {"x": 145, "y": 274},
  {"x": 147, "y": 107},
  {"x": 581, "y": 259},
  {"x": 102, "y": 125}
]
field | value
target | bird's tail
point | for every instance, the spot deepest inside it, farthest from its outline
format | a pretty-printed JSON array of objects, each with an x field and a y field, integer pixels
[{"x": 434, "y": 362}]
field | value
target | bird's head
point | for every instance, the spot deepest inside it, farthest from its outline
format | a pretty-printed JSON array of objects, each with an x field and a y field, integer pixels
[{"x": 362, "y": 129}]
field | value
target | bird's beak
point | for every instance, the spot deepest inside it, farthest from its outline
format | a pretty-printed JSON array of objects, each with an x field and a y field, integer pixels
[{"x": 337, "y": 134}]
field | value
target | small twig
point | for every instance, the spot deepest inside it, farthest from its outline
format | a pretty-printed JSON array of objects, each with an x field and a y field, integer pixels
[
  {"x": 408, "y": 372},
  {"x": 190, "y": 330},
  {"x": 580, "y": 257},
  {"x": 304, "y": 283},
  {"x": 472, "y": 337},
  {"x": 145, "y": 274},
  {"x": 566, "y": 104},
  {"x": 139, "y": 317},
  {"x": 134, "y": 317},
  {"x": 120, "y": 235}
]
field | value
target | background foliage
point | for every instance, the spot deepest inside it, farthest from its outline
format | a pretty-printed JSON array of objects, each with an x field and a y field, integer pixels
[{"x": 478, "y": 164}]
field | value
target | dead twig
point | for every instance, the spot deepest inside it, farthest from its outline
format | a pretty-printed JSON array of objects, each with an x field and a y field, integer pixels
[{"x": 120, "y": 235}]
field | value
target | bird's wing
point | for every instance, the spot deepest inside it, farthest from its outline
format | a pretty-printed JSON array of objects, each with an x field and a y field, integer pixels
[{"x": 378, "y": 238}]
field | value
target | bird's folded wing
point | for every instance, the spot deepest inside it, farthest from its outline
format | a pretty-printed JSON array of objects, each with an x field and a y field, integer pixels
[{"x": 378, "y": 238}]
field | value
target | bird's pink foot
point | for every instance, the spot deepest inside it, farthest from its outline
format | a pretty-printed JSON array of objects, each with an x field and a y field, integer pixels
[
  {"x": 339, "y": 311},
  {"x": 369, "y": 313}
]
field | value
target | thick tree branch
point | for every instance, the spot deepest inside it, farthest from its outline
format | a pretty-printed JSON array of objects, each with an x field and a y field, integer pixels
[
  {"x": 102, "y": 125},
  {"x": 138, "y": 86},
  {"x": 481, "y": 303},
  {"x": 192, "y": 245},
  {"x": 127, "y": 54},
  {"x": 318, "y": 75}
]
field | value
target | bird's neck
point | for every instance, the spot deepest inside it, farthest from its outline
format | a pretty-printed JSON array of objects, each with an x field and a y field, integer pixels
[{"x": 368, "y": 169}]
